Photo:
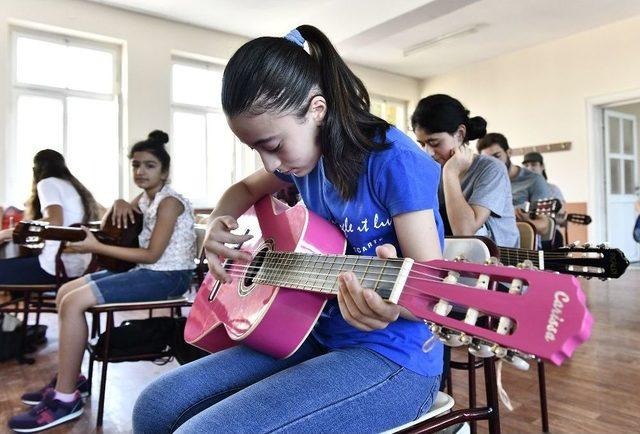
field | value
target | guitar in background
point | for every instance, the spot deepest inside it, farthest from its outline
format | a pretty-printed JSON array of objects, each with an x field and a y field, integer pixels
[
  {"x": 34, "y": 233},
  {"x": 578, "y": 260}
]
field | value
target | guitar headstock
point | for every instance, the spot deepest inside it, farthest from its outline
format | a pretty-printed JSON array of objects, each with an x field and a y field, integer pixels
[
  {"x": 548, "y": 207},
  {"x": 588, "y": 261},
  {"x": 544, "y": 314},
  {"x": 28, "y": 232},
  {"x": 579, "y": 219}
]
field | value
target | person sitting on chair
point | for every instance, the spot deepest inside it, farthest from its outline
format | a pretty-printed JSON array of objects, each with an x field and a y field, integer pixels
[
  {"x": 474, "y": 193},
  {"x": 526, "y": 186},
  {"x": 165, "y": 263},
  {"x": 57, "y": 198},
  {"x": 535, "y": 163}
]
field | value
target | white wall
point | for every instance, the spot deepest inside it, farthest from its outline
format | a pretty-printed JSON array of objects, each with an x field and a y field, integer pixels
[
  {"x": 148, "y": 44},
  {"x": 538, "y": 95}
]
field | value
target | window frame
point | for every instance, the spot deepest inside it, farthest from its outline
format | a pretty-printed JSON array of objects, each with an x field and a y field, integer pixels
[
  {"x": 18, "y": 89},
  {"x": 404, "y": 104},
  {"x": 238, "y": 154}
]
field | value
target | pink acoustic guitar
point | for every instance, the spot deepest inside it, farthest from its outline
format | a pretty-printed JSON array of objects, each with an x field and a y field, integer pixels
[{"x": 273, "y": 302}]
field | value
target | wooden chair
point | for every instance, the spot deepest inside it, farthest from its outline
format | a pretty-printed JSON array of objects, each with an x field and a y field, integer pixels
[
  {"x": 438, "y": 419},
  {"x": 528, "y": 235},
  {"x": 528, "y": 241},
  {"x": 110, "y": 309},
  {"x": 32, "y": 299}
]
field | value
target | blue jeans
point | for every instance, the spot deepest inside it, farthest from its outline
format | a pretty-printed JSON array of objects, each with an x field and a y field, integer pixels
[
  {"x": 240, "y": 390},
  {"x": 139, "y": 285}
]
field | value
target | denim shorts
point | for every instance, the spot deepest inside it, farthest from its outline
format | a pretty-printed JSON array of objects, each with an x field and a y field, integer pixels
[{"x": 139, "y": 285}]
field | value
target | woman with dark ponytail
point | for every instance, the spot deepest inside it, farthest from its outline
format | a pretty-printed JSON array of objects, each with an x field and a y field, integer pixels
[
  {"x": 362, "y": 369},
  {"x": 164, "y": 270},
  {"x": 475, "y": 192},
  {"x": 57, "y": 198}
]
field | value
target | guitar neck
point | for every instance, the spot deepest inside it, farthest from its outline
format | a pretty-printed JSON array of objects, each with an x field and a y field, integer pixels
[
  {"x": 513, "y": 256},
  {"x": 63, "y": 233},
  {"x": 319, "y": 273}
]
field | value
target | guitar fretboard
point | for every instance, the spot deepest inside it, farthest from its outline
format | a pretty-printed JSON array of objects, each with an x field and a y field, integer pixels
[{"x": 319, "y": 273}]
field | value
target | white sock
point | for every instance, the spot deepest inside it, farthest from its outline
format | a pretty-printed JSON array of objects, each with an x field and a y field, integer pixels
[{"x": 65, "y": 397}]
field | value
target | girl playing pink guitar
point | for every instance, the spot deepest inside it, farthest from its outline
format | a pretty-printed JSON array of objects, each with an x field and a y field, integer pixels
[{"x": 362, "y": 369}]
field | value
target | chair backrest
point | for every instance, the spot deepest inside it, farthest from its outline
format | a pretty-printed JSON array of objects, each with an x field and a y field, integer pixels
[
  {"x": 201, "y": 231},
  {"x": 11, "y": 215},
  {"x": 441, "y": 404},
  {"x": 527, "y": 235},
  {"x": 201, "y": 267},
  {"x": 551, "y": 229}
]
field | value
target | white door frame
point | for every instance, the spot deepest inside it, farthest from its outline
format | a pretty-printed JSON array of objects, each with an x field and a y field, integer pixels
[{"x": 595, "y": 141}]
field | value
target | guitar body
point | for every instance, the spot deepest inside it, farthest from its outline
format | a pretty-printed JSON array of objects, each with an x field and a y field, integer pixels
[
  {"x": 273, "y": 320},
  {"x": 121, "y": 237}
]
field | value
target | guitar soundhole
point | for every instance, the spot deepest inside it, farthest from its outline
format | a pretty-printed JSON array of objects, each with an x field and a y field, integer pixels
[{"x": 257, "y": 262}]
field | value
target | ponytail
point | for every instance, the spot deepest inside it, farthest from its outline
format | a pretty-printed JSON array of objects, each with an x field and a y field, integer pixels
[{"x": 277, "y": 75}]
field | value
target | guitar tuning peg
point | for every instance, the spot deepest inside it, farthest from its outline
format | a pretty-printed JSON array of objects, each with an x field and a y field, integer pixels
[
  {"x": 603, "y": 246},
  {"x": 493, "y": 261},
  {"x": 480, "y": 349},
  {"x": 517, "y": 361},
  {"x": 586, "y": 245},
  {"x": 450, "y": 338},
  {"x": 499, "y": 351}
]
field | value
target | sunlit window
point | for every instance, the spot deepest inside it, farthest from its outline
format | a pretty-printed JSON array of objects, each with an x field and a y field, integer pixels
[
  {"x": 392, "y": 111},
  {"x": 206, "y": 158},
  {"x": 66, "y": 97}
]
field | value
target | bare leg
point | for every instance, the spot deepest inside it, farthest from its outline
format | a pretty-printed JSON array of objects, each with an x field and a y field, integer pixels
[
  {"x": 73, "y": 336},
  {"x": 68, "y": 287}
]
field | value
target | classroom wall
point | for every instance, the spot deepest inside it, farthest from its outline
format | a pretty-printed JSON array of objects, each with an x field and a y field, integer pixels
[
  {"x": 539, "y": 95},
  {"x": 148, "y": 43}
]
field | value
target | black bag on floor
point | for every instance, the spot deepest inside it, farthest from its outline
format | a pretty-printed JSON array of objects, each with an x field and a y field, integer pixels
[
  {"x": 182, "y": 351},
  {"x": 10, "y": 328},
  {"x": 139, "y": 337}
]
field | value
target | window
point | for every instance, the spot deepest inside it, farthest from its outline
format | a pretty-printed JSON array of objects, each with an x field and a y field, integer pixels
[
  {"x": 206, "y": 157},
  {"x": 66, "y": 97},
  {"x": 392, "y": 111}
]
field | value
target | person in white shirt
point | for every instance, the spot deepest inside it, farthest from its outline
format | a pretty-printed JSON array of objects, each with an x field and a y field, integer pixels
[
  {"x": 61, "y": 200},
  {"x": 165, "y": 259}
]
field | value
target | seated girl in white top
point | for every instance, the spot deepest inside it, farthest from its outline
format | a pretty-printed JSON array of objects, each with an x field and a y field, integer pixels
[
  {"x": 165, "y": 261},
  {"x": 60, "y": 199}
]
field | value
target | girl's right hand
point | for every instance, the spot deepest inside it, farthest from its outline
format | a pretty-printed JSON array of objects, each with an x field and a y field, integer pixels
[
  {"x": 219, "y": 233},
  {"x": 122, "y": 212}
]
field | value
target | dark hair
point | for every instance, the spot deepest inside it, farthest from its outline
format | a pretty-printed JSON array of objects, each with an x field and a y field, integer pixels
[
  {"x": 154, "y": 144},
  {"x": 277, "y": 75},
  {"x": 444, "y": 114},
  {"x": 493, "y": 139},
  {"x": 50, "y": 164}
]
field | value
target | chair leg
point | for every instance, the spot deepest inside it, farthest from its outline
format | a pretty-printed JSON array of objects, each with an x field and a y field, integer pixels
[
  {"x": 472, "y": 388},
  {"x": 39, "y": 308},
  {"x": 492, "y": 394},
  {"x": 105, "y": 363},
  {"x": 23, "y": 333},
  {"x": 543, "y": 397}
]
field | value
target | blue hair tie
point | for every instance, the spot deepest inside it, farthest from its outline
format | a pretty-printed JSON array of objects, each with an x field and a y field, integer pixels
[{"x": 295, "y": 37}]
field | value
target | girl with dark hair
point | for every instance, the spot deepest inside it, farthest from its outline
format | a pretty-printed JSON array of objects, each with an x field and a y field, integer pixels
[
  {"x": 475, "y": 192},
  {"x": 58, "y": 198},
  {"x": 362, "y": 369},
  {"x": 164, "y": 270}
]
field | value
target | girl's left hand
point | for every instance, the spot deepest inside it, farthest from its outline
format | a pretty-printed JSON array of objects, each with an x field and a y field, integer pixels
[
  {"x": 363, "y": 308},
  {"x": 89, "y": 245}
]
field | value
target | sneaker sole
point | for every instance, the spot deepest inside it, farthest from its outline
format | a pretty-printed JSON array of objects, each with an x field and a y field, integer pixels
[
  {"x": 32, "y": 403},
  {"x": 67, "y": 418}
]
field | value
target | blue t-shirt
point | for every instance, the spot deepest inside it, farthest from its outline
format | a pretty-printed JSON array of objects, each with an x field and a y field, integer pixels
[{"x": 397, "y": 180}]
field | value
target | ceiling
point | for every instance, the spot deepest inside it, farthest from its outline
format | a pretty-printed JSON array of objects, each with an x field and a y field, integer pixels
[{"x": 375, "y": 33}]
